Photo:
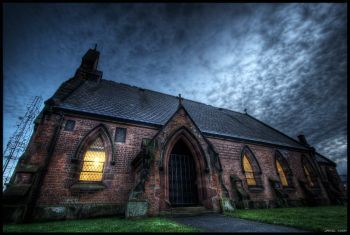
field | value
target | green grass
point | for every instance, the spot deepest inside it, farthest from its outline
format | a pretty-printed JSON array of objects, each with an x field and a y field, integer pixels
[
  {"x": 318, "y": 219},
  {"x": 113, "y": 224}
]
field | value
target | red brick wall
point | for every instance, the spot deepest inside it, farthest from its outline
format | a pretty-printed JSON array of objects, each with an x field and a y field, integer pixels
[
  {"x": 39, "y": 144},
  {"x": 230, "y": 155},
  {"x": 55, "y": 188},
  {"x": 120, "y": 177}
]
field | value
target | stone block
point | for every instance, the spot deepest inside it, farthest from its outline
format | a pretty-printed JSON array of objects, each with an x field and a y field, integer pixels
[
  {"x": 50, "y": 213},
  {"x": 226, "y": 205},
  {"x": 136, "y": 209}
]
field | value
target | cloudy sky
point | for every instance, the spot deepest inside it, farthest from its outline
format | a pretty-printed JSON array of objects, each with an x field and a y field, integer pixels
[{"x": 285, "y": 63}]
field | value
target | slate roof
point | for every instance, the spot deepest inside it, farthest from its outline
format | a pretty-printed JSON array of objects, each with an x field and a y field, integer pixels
[
  {"x": 323, "y": 159},
  {"x": 123, "y": 101}
]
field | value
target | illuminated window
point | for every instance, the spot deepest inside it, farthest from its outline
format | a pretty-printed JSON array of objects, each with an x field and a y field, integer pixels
[
  {"x": 281, "y": 174},
  {"x": 248, "y": 170},
  {"x": 93, "y": 162},
  {"x": 307, "y": 173}
]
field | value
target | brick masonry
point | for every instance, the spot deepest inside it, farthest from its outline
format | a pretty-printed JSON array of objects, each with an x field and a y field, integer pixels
[
  {"x": 54, "y": 156},
  {"x": 120, "y": 178}
]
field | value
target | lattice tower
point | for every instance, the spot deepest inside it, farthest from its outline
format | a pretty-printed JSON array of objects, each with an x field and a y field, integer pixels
[{"x": 19, "y": 140}]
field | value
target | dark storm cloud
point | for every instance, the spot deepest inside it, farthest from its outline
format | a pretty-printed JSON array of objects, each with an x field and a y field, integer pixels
[{"x": 285, "y": 63}]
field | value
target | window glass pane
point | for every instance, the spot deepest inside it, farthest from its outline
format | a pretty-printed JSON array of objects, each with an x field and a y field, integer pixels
[
  {"x": 90, "y": 176},
  {"x": 248, "y": 169},
  {"x": 281, "y": 174},
  {"x": 93, "y": 162},
  {"x": 120, "y": 135},
  {"x": 93, "y": 166},
  {"x": 95, "y": 156},
  {"x": 69, "y": 125},
  {"x": 246, "y": 164}
]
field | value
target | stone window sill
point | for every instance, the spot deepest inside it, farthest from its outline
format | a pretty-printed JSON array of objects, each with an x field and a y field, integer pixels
[{"x": 87, "y": 186}]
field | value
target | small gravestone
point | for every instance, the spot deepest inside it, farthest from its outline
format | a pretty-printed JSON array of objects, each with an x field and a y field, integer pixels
[
  {"x": 136, "y": 209},
  {"x": 226, "y": 205}
]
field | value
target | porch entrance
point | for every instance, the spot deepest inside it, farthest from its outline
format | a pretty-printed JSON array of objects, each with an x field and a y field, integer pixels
[{"x": 182, "y": 176}]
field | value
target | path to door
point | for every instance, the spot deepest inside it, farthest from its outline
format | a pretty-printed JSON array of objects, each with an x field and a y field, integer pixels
[{"x": 221, "y": 223}]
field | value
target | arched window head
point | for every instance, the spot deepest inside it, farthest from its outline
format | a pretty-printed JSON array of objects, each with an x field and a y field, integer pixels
[
  {"x": 251, "y": 169},
  {"x": 101, "y": 136},
  {"x": 281, "y": 174},
  {"x": 248, "y": 171},
  {"x": 93, "y": 161},
  {"x": 283, "y": 170}
]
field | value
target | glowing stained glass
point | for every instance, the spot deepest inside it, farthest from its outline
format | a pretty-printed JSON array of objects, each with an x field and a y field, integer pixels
[
  {"x": 93, "y": 166},
  {"x": 248, "y": 170},
  {"x": 95, "y": 156},
  {"x": 281, "y": 174},
  {"x": 93, "y": 162},
  {"x": 90, "y": 176}
]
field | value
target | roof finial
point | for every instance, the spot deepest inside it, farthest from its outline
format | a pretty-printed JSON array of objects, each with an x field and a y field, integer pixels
[{"x": 95, "y": 46}]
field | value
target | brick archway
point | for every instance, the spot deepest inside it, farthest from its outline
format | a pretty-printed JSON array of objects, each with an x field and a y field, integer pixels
[{"x": 200, "y": 165}]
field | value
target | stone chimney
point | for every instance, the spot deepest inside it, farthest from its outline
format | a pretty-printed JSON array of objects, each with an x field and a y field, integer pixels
[
  {"x": 90, "y": 60},
  {"x": 302, "y": 140},
  {"x": 88, "y": 67},
  {"x": 86, "y": 71}
]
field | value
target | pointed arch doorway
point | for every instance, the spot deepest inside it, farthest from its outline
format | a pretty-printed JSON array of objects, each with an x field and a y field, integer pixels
[{"x": 183, "y": 189}]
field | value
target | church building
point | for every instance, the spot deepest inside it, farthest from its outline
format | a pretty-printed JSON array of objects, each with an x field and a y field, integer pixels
[{"x": 104, "y": 148}]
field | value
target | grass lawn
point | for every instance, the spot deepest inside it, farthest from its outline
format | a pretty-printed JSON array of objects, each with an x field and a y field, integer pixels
[
  {"x": 111, "y": 224},
  {"x": 318, "y": 219}
]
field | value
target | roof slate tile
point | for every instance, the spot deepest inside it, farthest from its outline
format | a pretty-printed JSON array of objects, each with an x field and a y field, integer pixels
[{"x": 119, "y": 100}]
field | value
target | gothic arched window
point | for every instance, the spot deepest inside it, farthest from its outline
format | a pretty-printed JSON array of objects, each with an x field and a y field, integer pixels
[
  {"x": 248, "y": 171},
  {"x": 283, "y": 170},
  {"x": 308, "y": 176},
  {"x": 281, "y": 174},
  {"x": 93, "y": 161},
  {"x": 309, "y": 172},
  {"x": 251, "y": 168}
]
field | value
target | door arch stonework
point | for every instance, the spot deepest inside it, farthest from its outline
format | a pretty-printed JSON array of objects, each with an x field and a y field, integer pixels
[
  {"x": 182, "y": 176},
  {"x": 201, "y": 166}
]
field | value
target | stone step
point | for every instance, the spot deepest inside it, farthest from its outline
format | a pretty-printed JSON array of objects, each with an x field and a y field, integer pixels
[
  {"x": 189, "y": 209},
  {"x": 186, "y": 211}
]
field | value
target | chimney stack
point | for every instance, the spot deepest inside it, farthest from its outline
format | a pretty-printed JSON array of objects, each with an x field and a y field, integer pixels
[
  {"x": 90, "y": 60},
  {"x": 302, "y": 140},
  {"x": 88, "y": 68}
]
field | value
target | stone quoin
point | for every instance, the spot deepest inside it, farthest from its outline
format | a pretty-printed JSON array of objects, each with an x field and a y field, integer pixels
[{"x": 105, "y": 148}]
